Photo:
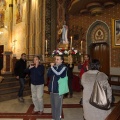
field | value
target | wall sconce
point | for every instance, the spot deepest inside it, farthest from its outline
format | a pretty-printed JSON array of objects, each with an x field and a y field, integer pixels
[
  {"x": 1, "y": 32},
  {"x": 6, "y": 27}
]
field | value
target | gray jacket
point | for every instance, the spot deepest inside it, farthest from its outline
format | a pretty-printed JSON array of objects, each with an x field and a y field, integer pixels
[{"x": 88, "y": 79}]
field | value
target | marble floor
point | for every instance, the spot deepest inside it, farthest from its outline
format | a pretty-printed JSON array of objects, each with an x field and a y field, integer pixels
[{"x": 69, "y": 113}]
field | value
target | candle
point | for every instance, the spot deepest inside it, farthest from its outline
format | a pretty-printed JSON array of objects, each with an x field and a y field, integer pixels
[
  {"x": 71, "y": 43},
  {"x": 46, "y": 45},
  {"x": 81, "y": 44}
]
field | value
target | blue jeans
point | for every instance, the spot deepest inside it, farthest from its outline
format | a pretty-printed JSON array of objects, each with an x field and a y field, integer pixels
[{"x": 22, "y": 84}]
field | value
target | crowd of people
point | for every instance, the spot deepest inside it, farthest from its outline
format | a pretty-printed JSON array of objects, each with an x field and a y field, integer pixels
[{"x": 58, "y": 69}]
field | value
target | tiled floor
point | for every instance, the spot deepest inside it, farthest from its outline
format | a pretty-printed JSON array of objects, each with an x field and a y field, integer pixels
[{"x": 14, "y": 106}]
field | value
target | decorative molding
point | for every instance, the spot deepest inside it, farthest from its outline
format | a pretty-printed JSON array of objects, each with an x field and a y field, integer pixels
[
  {"x": 91, "y": 7},
  {"x": 7, "y": 53},
  {"x": 99, "y": 34},
  {"x": 97, "y": 25}
]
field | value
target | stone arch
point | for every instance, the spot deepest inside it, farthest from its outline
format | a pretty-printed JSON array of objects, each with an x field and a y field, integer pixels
[{"x": 90, "y": 30}]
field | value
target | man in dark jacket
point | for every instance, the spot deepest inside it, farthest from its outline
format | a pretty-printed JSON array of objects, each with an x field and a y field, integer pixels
[
  {"x": 56, "y": 71},
  {"x": 20, "y": 67},
  {"x": 70, "y": 68}
]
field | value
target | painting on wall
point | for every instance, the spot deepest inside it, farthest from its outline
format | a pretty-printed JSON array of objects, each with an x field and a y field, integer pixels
[
  {"x": 116, "y": 33},
  {"x": 19, "y": 10},
  {"x": 2, "y": 12},
  {"x": 2, "y": 4}
]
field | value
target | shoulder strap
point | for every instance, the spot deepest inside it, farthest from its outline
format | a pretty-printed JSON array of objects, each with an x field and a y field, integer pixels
[{"x": 96, "y": 76}]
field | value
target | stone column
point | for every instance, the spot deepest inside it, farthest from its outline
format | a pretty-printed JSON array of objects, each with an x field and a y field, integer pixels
[
  {"x": 10, "y": 24},
  {"x": 27, "y": 25},
  {"x": 32, "y": 28},
  {"x": 53, "y": 40},
  {"x": 38, "y": 27},
  {"x": 43, "y": 27},
  {"x": 7, "y": 56}
]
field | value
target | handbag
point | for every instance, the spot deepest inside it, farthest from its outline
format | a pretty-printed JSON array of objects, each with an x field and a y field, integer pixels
[
  {"x": 63, "y": 85},
  {"x": 99, "y": 97}
]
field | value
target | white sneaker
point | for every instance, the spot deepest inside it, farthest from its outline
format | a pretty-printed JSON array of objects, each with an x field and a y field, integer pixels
[{"x": 20, "y": 99}]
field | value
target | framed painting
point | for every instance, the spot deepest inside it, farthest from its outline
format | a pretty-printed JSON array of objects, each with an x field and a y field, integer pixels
[{"x": 116, "y": 33}]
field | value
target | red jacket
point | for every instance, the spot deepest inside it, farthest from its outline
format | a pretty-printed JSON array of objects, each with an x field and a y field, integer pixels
[{"x": 83, "y": 67}]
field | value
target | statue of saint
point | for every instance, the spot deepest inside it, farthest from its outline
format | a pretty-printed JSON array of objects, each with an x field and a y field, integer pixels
[{"x": 65, "y": 33}]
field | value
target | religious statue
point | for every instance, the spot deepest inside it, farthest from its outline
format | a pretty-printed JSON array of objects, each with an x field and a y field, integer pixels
[
  {"x": 65, "y": 33},
  {"x": 63, "y": 36}
]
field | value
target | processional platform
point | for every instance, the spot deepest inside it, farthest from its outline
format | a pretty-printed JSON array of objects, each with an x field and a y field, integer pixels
[{"x": 70, "y": 54}]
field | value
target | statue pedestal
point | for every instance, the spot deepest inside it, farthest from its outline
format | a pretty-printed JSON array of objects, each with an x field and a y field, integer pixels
[{"x": 64, "y": 46}]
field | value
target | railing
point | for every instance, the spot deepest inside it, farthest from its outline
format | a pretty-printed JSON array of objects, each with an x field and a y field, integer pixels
[
  {"x": 115, "y": 114},
  {"x": 117, "y": 83}
]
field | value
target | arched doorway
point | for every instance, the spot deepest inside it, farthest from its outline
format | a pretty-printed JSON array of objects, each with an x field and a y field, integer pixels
[
  {"x": 100, "y": 51},
  {"x": 98, "y": 40}
]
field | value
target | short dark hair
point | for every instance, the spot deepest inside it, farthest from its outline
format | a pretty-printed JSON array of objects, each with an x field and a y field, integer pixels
[
  {"x": 23, "y": 54},
  {"x": 94, "y": 64},
  {"x": 61, "y": 57},
  {"x": 36, "y": 56}
]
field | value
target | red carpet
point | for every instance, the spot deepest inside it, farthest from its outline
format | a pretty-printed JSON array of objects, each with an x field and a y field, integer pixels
[{"x": 28, "y": 115}]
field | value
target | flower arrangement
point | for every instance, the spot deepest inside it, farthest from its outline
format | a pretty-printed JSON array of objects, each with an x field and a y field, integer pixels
[{"x": 64, "y": 52}]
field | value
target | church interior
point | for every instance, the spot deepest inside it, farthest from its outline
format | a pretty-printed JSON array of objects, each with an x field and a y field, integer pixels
[{"x": 35, "y": 27}]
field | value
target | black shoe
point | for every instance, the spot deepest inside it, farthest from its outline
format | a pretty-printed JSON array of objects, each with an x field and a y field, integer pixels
[
  {"x": 70, "y": 96},
  {"x": 65, "y": 96},
  {"x": 81, "y": 101}
]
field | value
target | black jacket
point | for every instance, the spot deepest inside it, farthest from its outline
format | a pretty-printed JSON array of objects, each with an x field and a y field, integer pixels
[
  {"x": 20, "y": 67},
  {"x": 70, "y": 71},
  {"x": 36, "y": 75}
]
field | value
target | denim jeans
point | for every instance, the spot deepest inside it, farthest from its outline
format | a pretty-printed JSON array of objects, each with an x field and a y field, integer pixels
[
  {"x": 22, "y": 85},
  {"x": 37, "y": 97}
]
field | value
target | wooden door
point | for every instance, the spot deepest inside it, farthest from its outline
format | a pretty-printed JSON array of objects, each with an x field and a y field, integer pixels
[{"x": 100, "y": 51}]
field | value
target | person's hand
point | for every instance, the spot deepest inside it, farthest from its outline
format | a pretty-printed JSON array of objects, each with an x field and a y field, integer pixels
[
  {"x": 31, "y": 66},
  {"x": 17, "y": 77},
  {"x": 52, "y": 64}
]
